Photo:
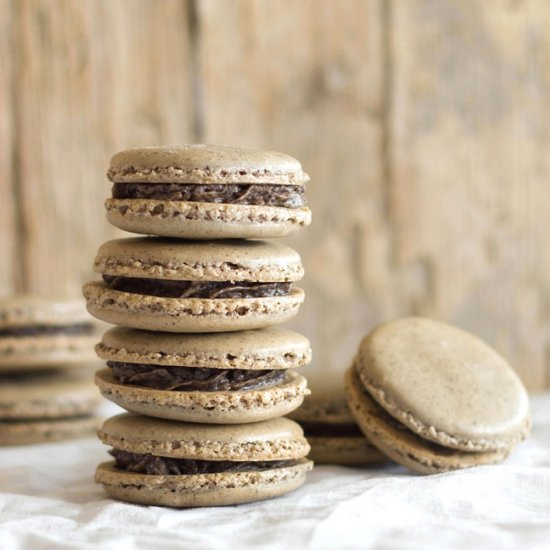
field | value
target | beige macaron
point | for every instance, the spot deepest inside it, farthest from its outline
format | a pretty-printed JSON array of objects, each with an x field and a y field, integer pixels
[
  {"x": 46, "y": 406},
  {"x": 166, "y": 463},
  {"x": 154, "y": 283},
  {"x": 207, "y": 192},
  {"x": 435, "y": 398},
  {"x": 38, "y": 333},
  {"x": 332, "y": 432},
  {"x": 220, "y": 378}
]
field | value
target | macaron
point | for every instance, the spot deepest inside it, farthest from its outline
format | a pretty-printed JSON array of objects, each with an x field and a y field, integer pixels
[
  {"x": 172, "y": 285},
  {"x": 219, "y": 378},
  {"x": 332, "y": 432},
  {"x": 207, "y": 192},
  {"x": 38, "y": 333},
  {"x": 166, "y": 463},
  {"x": 435, "y": 398},
  {"x": 46, "y": 406}
]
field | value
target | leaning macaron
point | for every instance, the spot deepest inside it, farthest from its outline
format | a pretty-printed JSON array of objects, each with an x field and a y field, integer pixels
[
  {"x": 435, "y": 398},
  {"x": 333, "y": 433},
  {"x": 166, "y": 463},
  {"x": 221, "y": 378},
  {"x": 207, "y": 192},
  {"x": 46, "y": 406},
  {"x": 38, "y": 333},
  {"x": 154, "y": 283}
]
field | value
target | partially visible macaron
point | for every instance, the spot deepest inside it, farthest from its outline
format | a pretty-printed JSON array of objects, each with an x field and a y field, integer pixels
[
  {"x": 166, "y": 463},
  {"x": 193, "y": 286},
  {"x": 207, "y": 192},
  {"x": 332, "y": 432},
  {"x": 46, "y": 406},
  {"x": 38, "y": 333},
  {"x": 222, "y": 378},
  {"x": 435, "y": 398}
]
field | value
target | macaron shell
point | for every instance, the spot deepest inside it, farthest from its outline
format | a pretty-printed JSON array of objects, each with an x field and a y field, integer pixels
[
  {"x": 270, "y": 348},
  {"x": 322, "y": 407},
  {"x": 229, "y": 260},
  {"x": 47, "y": 396},
  {"x": 276, "y": 439},
  {"x": 40, "y": 431},
  {"x": 404, "y": 446},
  {"x": 39, "y": 352},
  {"x": 189, "y": 314},
  {"x": 229, "y": 407},
  {"x": 346, "y": 451},
  {"x": 201, "y": 489},
  {"x": 444, "y": 384},
  {"x": 23, "y": 310},
  {"x": 200, "y": 220},
  {"x": 197, "y": 163}
]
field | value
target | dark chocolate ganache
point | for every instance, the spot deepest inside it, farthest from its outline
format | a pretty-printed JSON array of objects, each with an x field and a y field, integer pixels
[
  {"x": 196, "y": 289},
  {"x": 161, "y": 465},
  {"x": 193, "y": 378},
  {"x": 42, "y": 330},
  {"x": 287, "y": 196},
  {"x": 322, "y": 429}
]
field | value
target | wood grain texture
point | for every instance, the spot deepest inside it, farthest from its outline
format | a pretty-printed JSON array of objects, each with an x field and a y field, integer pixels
[
  {"x": 90, "y": 82},
  {"x": 424, "y": 126},
  {"x": 307, "y": 78},
  {"x": 470, "y": 168},
  {"x": 9, "y": 265}
]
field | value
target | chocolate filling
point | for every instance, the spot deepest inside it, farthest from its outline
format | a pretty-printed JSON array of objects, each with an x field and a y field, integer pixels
[
  {"x": 321, "y": 429},
  {"x": 193, "y": 378},
  {"x": 287, "y": 196},
  {"x": 196, "y": 289},
  {"x": 42, "y": 330},
  {"x": 161, "y": 465}
]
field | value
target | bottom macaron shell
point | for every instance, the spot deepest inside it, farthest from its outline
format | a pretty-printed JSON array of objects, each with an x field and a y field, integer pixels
[
  {"x": 185, "y": 491},
  {"x": 347, "y": 451},
  {"x": 402, "y": 445},
  {"x": 42, "y": 352},
  {"x": 189, "y": 314},
  {"x": 224, "y": 407},
  {"x": 28, "y": 432},
  {"x": 203, "y": 220}
]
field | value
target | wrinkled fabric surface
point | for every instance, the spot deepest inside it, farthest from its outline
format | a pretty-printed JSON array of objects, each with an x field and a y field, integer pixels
[{"x": 48, "y": 500}]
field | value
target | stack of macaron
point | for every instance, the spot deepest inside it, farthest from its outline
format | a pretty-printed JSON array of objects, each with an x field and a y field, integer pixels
[
  {"x": 46, "y": 347},
  {"x": 197, "y": 358}
]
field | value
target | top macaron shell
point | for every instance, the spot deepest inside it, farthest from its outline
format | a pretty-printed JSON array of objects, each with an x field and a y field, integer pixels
[
  {"x": 270, "y": 348},
  {"x": 179, "y": 260},
  {"x": 205, "y": 165},
  {"x": 444, "y": 384}
]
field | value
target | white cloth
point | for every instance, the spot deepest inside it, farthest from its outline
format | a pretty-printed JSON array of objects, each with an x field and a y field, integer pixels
[{"x": 48, "y": 500}]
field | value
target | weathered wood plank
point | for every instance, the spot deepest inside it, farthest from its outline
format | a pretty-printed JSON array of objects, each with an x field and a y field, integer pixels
[
  {"x": 9, "y": 266},
  {"x": 95, "y": 77},
  {"x": 470, "y": 170},
  {"x": 307, "y": 78}
]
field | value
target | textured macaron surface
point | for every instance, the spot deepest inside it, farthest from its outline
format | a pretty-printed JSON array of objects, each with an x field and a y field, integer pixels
[
  {"x": 270, "y": 348},
  {"x": 232, "y": 260},
  {"x": 276, "y": 439},
  {"x": 204, "y": 164},
  {"x": 444, "y": 384}
]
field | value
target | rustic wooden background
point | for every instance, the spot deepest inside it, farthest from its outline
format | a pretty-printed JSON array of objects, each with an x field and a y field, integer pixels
[{"x": 424, "y": 125}]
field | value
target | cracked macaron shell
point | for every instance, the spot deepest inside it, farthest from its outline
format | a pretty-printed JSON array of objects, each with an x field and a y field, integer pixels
[
  {"x": 276, "y": 439},
  {"x": 204, "y": 164},
  {"x": 444, "y": 384},
  {"x": 270, "y": 348}
]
